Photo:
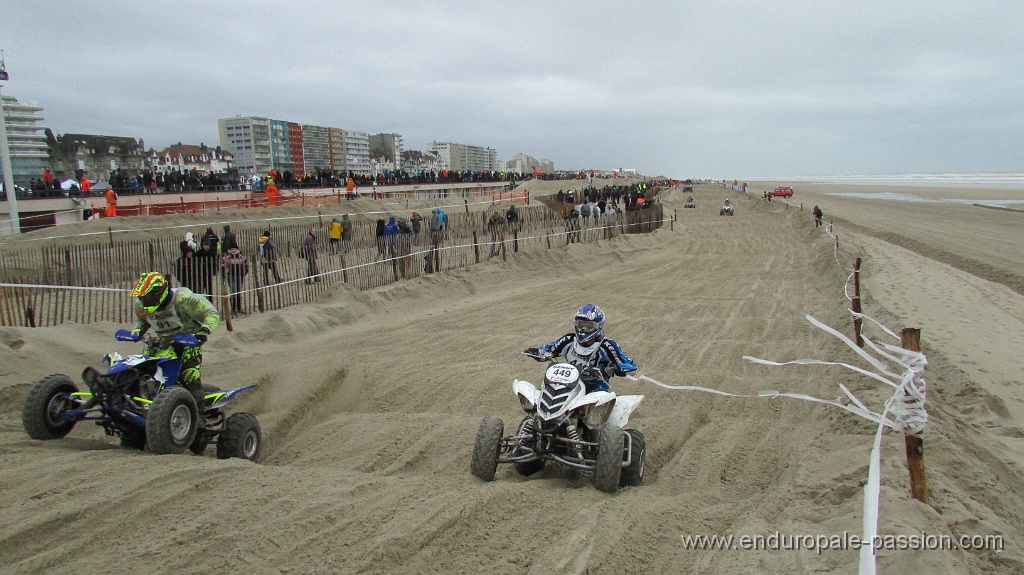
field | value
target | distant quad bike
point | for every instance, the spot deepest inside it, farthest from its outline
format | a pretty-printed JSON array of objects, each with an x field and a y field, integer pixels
[
  {"x": 689, "y": 203},
  {"x": 137, "y": 399},
  {"x": 567, "y": 426},
  {"x": 726, "y": 210}
]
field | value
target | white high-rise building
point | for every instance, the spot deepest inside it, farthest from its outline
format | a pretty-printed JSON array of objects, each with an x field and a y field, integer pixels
[
  {"x": 464, "y": 157},
  {"x": 357, "y": 152},
  {"x": 248, "y": 140},
  {"x": 26, "y": 138}
]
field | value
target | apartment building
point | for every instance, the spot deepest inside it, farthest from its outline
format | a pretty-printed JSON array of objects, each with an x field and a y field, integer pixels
[
  {"x": 463, "y": 157},
  {"x": 357, "y": 152},
  {"x": 280, "y": 147},
  {"x": 526, "y": 164},
  {"x": 247, "y": 138},
  {"x": 295, "y": 140},
  {"x": 26, "y": 139},
  {"x": 261, "y": 144},
  {"x": 316, "y": 148}
]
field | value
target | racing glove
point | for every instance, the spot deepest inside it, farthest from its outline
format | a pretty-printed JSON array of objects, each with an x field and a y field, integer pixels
[
  {"x": 612, "y": 370},
  {"x": 538, "y": 354},
  {"x": 202, "y": 335}
]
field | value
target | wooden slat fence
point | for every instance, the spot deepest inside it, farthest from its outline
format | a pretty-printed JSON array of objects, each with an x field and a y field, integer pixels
[{"x": 91, "y": 282}]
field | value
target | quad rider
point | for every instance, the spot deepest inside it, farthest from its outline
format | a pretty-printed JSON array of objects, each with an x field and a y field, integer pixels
[
  {"x": 587, "y": 347},
  {"x": 172, "y": 312}
]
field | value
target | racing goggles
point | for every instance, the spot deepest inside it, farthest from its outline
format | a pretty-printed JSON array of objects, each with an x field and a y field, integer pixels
[
  {"x": 587, "y": 326},
  {"x": 153, "y": 298}
]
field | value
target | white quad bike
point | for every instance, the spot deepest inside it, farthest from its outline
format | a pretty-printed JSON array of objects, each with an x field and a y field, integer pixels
[
  {"x": 566, "y": 425},
  {"x": 726, "y": 210}
]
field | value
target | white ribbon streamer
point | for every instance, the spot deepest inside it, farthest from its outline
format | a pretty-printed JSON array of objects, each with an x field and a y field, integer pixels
[{"x": 903, "y": 411}]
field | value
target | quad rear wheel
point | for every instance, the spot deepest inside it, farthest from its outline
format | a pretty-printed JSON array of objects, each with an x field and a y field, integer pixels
[
  {"x": 633, "y": 474},
  {"x": 47, "y": 398},
  {"x": 242, "y": 438}
]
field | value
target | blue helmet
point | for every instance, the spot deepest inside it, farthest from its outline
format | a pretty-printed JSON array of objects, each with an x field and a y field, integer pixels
[{"x": 589, "y": 324}]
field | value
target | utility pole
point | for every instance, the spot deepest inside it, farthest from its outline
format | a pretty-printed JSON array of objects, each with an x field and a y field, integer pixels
[{"x": 5, "y": 159}]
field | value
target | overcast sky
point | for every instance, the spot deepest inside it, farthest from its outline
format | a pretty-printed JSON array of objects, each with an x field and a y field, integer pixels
[{"x": 722, "y": 89}]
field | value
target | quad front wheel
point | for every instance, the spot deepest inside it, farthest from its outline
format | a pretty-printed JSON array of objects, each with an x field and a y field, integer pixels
[
  {"x": 241, "y": 438},
  {"x": 485, "y": 450},
  {"x": 199, "y": 444},
  {"x": 47, "y": 398},
  {"x": 608, "y": 467},
  {"x": 172, "y": 422}
]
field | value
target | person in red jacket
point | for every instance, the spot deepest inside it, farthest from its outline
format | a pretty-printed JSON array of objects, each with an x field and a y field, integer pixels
[{"x": 47, "y": 179}]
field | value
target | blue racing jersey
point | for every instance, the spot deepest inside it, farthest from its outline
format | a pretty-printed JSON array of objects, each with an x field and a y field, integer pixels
[{"x": 608, "y": 358}]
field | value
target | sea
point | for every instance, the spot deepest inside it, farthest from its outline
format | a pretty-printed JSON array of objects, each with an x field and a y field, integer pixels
[
  {"x": 978, "y": 180},
  {"x": 1007, "y": 180}
]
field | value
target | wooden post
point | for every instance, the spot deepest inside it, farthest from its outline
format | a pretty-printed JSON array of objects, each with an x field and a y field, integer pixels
[
  {"x": 910, "y": 339},
  {"x": 260, "y": 301},
  {"x": 227, "y": 312},
  {"x": 476, "y": 247},
  {"x": 110, "y": 234},
  {"x": 672, "y": 222},
  {"x": 67, "y": 266},
  {"x": 344, "y": 268},
  {"x": 504, "y": 258},
  {"x": 466, "y": 201},
  {"x": 855, "y": 303}
]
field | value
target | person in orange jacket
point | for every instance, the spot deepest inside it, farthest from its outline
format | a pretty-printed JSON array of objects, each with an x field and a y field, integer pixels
[
  {"x": 272, "y": 193},
  {"x": 111, "y": 202}
]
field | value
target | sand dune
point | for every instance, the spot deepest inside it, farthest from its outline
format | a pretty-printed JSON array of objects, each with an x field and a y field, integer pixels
[{"x": 370, "y": 401}]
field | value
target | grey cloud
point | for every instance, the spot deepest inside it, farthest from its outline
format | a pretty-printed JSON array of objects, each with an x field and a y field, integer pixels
[{"x": 731, "y": 88}]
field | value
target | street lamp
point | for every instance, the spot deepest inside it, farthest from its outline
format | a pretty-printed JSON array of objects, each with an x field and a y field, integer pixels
[{"x": 5, "y": 158}]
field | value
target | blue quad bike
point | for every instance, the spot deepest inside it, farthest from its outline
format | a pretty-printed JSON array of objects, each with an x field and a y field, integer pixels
[{"x": 137, "y": 399}]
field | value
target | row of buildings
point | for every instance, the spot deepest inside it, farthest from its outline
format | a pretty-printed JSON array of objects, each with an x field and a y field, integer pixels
[
  {"x": 261, "y": 144},
  {"x": 249, "y": 146}
]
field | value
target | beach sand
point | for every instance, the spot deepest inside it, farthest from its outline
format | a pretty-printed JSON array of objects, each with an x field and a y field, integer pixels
[{"x": 370, "y": 402}]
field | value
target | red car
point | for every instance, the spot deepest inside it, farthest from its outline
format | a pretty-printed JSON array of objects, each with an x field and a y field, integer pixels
[{"x": 782, "y": 192}]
